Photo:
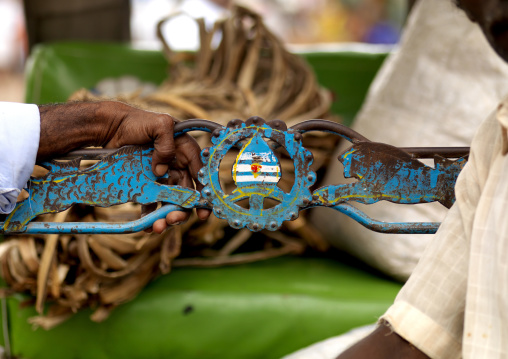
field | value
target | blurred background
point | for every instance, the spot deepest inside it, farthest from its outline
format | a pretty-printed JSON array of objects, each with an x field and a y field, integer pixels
[{"x": 23, "y": 24}]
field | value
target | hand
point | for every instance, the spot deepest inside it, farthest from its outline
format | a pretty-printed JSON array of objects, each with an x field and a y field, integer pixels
[
  {"x": 182, "y": 171},
  {"x": 113, "y": 124},
  {"x": 383, "y": 343}
]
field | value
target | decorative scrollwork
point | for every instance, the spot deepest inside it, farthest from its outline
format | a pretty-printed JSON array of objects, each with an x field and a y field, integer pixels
[
  {"x": 256, "y": 173},
  {"x": 382, "y": 172},
  {"x": 120, "y": 177}
]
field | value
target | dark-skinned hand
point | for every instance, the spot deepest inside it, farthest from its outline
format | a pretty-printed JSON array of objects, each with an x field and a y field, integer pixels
[{"x": 114, "y": 124}]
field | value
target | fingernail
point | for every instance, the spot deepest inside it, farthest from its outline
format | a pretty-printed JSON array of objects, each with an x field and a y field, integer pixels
[{"x": 161, "y": 169}]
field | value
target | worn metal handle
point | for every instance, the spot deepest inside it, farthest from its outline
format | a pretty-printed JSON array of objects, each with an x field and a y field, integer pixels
[{"x": 381, "y": 171}]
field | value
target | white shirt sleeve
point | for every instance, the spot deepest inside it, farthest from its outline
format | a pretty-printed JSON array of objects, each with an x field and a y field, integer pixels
[{"x": 19, "y": 141}]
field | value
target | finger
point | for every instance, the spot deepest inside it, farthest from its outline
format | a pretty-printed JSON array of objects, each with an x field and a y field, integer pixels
[
  {"x": 172, "y": 219},
  {"x": 164, "y": 144},
  {"x": 159, "y": 225},
  {"x": 185, "y": 179},
  {"x": 188, "y": 148},
  {"x": 177, "y": 217},
  {"x": 203, "y": 213},
  {"x": 174, "y": 177}
]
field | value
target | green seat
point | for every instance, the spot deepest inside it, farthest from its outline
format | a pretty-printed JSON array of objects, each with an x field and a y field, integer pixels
[
  {"x": 259, "y": 310},
  {"x": 57, "y": 70}
]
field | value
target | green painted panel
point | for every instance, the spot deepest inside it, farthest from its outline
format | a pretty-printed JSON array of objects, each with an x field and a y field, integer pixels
[
  {"x": 55, "y": 71},
  {"x": 260, "y": 310}
]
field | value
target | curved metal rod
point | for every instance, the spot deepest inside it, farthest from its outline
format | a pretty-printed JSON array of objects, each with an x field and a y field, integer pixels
[
  {"x": 353, "y": 136},
  {"x": 148, "y": 220},
  {"x": 385, "y": 227},
  {"x": 430, "y": 152},
  {"x": 180, "y": 128},
  {"x": 331, "y": 127},
  {"x": 100, "y": 227},
  {"x": 306, "y": 126},
  {"x": 196, "y": 124}
]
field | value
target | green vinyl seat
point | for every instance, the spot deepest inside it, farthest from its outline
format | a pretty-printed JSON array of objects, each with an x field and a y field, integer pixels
[{"x": 259, "y": 310}]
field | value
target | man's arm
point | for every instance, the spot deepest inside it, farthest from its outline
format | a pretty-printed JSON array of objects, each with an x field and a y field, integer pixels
[
  {"x": 107, "y": 124},
  {"x": 383, "y": 343},
  {"x": 114, "y": 124}
]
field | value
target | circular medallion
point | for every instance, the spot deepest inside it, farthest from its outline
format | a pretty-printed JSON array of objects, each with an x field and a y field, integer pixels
[{"x": 256, "y": 173}]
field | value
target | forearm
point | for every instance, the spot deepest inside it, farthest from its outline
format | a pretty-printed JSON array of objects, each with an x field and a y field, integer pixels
[
  {"x": 383, "y": 343},
  {"x": 65, "y": 127}
]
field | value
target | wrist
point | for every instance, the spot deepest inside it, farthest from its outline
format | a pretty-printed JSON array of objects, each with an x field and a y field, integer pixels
[
  {"x": 109, "y": 116},
  {"x": 69, "y": 126}
]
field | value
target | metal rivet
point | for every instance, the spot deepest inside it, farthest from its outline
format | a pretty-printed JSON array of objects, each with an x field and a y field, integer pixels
[
  {"x": 298, "y": 136},
  {"x": 207, "y": 192},
  {"x": 310, "y": 178},
  {"x": 306, "y": 201},
  {"x": 216, "y": 133},
  {"x": 236, "y": 223},
  {"x": 315, "y": 197},
  {"x": 218, "y": 211},
  {"x": 206, "y": 152},
  {"x": 309, "y": 157},
  {"x": 255, "y": 226},
  {"x": 293, "y": 215},
  {"x": 273, "y": 224},
  {"x": 234, "y": 123}
]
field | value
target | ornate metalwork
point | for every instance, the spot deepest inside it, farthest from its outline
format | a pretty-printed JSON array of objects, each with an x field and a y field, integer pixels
[
  {"x": 121, "y": 177},
  {"x": 382, "y": 172},
  {"x": 256, "y": 173},
  {"x": 387, "y": 173}
]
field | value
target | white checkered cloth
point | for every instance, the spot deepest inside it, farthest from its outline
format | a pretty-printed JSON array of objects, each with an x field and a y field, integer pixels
[
  {"x": 434, "y": 91},
  {"x": 455, "y": 304}
]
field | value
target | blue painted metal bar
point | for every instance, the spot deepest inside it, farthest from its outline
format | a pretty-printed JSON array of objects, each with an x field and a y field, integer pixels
[
  {"x": 100, "y": 227},
  {"x": 381, "y": 172},
  {"x": 386, "y": 227}
]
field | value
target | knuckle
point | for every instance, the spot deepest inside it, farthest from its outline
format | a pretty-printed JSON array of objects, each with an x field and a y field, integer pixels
[
  {"x": 165, "y": 121},
  {"x": 165, "y": 152}
]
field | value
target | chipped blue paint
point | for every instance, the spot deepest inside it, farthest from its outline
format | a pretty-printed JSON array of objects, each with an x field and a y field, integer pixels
[
  {"x": 124, "y": 176},
  {"x": 384, "y": 227},
  {"x": 260, "y": 179},
  {"x": 382, "y": 172},
  {"x": 386, "y": 173}
]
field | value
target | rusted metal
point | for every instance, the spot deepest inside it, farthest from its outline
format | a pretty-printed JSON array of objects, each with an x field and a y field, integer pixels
[
  {"x": 385, "y": 227},
  {"x": 387, "y": 173},
  {"x": 381, "y": 171},
  {"x": 330, "y": 127},
  {"x": 432, "y": 152},
  {"x": 256, "y": 173},
  {"x": 124, "y": 176}
]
